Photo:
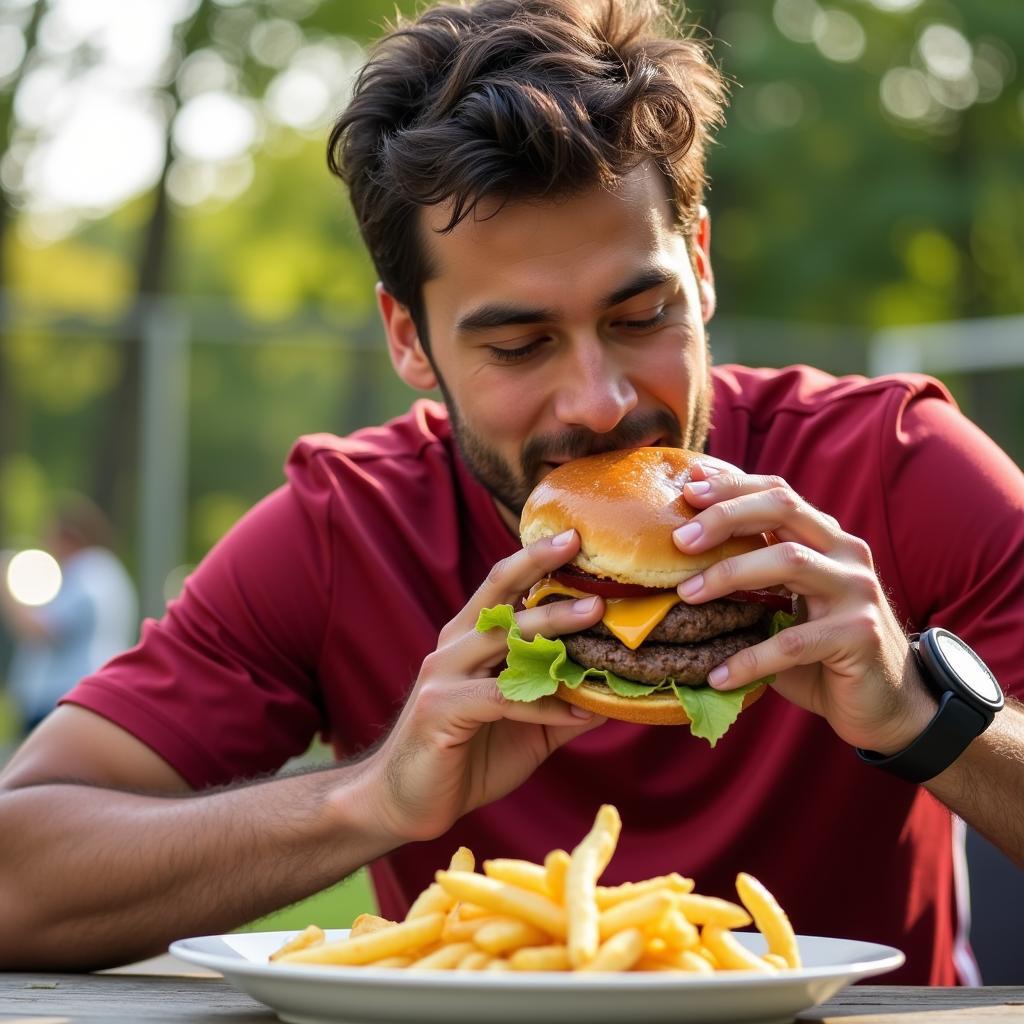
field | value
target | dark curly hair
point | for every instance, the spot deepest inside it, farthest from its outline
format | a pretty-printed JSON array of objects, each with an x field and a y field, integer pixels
[{"x": 514, "y": 100}]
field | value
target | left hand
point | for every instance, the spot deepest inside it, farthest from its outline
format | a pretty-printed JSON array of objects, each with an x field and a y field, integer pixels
[{"x": 849, "y": 661}]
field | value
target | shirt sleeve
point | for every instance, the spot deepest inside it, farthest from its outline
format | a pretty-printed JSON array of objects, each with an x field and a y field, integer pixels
[
  {"x": 955, "y": 503},
  {"x": 224, "y": 686}
]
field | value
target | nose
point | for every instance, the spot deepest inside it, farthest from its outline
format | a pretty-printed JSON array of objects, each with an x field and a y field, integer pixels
[{"x": 595, "y": 393}]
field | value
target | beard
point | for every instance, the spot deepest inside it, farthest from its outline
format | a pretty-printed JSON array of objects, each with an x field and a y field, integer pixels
[{"x": 511, "y": 485}]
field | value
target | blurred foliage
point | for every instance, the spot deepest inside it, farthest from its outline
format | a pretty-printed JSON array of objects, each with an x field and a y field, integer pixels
[
  {"x": 827, "y": 207},
  {"x": 833, "y": 208}
]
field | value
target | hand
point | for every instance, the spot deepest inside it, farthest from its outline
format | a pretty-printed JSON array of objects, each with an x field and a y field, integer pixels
[
  {"x": 458, "y": 742},
  {"x": 849, "y": 661}
]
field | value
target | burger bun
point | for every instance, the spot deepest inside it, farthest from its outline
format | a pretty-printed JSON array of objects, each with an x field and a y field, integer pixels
[{"x": 624, "y": 505}]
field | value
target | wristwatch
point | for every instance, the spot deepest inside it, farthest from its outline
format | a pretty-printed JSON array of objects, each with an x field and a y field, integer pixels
[{"x": 969, "y": 698}]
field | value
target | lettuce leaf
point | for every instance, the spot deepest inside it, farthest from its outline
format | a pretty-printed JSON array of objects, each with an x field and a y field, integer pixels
[{"x": 535, "y": 668}]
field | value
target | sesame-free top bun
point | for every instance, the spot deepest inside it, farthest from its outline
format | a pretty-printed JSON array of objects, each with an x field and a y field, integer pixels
[
  {"x": 659, "y": 708},
  {"x": 625, "y": 505}
]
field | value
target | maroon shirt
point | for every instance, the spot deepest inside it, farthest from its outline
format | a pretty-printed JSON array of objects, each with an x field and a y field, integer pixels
[{"x": 315, "y": 612}]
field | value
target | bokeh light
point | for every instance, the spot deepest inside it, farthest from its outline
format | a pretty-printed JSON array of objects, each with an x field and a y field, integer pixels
[
  {"x": 838, "y": 36},
  {"x": 33, "y": 577}
]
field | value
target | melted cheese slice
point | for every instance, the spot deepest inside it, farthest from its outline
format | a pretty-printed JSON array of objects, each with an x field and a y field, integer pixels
[{"x": 630, "y": 619}]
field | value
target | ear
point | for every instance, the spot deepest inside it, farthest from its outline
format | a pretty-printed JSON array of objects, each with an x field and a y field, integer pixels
[
  {"x": 407, "y": 355},
  {"x": 702, "y": 258}
]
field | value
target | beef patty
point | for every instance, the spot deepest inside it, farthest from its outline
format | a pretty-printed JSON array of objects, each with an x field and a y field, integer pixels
[{"x": 653, "y": 662}]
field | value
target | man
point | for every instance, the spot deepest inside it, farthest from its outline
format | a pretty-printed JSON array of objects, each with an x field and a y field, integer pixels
[
  {"x": 527, "y": 175},
  {"x": 93, "y": 616}
]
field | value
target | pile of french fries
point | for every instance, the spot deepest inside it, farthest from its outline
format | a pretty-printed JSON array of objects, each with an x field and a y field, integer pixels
[{"x": 521, "y": 916}]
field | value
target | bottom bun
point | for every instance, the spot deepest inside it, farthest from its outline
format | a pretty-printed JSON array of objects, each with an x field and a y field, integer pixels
[{"x": 656, "y": 709}]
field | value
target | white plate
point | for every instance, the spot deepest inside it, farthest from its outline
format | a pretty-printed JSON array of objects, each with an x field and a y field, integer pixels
[{"x": 307, "y": 994}]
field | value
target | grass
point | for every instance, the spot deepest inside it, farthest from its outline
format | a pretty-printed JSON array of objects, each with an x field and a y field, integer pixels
[
  {"x": 333, "y": 908},
  {"x": 9, "y": 721}
]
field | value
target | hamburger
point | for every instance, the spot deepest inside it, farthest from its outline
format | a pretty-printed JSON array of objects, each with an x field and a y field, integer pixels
[{"x": 647, "y": 659}]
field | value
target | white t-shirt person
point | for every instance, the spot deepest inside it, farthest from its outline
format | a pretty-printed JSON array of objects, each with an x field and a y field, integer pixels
[{"x": 93, "y": 617}]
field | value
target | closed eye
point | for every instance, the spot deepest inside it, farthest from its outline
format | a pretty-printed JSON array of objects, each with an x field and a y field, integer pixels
[
  {"x": 515, "y": 355},
  {"x": 654, "y": 321}
]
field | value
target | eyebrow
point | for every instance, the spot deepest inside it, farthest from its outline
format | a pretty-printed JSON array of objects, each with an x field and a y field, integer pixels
[{"x": 492, "y": 315}]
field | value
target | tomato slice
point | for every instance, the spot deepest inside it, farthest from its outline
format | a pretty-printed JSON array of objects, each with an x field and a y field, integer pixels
[
  {"x": 579, "y": 580},
  {"x": 601, "y": 586},
  {"x": 772, "y": 598}
]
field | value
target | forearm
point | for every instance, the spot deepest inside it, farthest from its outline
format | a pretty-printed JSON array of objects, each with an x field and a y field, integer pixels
[
  {"x": 93, "y": 877},
  {"x": 985, "y": 785}
]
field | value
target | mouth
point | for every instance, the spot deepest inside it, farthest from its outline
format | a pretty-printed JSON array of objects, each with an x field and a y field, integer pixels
[
  {"x": 658, "y": 442},
  {"x": 550, "y": 464}
]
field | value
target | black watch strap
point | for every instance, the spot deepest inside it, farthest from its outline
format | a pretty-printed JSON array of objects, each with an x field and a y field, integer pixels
[
  {"x": 944, "y": 739},
  {"x": 969, "y": 698}
]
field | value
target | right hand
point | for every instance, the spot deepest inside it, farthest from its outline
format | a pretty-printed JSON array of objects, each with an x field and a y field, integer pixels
[{"x": 458, "y": 743}]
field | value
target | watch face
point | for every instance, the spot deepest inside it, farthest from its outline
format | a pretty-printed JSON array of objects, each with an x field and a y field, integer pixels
[{"x": 971, "y": 670}]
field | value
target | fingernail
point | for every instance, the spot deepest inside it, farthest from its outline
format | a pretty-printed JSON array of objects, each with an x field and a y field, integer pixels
[
  {"x": 689, "y": 533},
  {"x": 699, "y": 486},
  {"x": 562, "y": 539},
  {"x": 718, "y": 675},
  {"x": 709, "y": 470},
  {"x": 584, "y": 606},
  {"x": 580, "y": 712},
  {"x": 692, "y": 586}
]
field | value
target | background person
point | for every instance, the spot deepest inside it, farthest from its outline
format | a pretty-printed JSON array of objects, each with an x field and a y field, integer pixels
[{"x": 93, "y": 616}]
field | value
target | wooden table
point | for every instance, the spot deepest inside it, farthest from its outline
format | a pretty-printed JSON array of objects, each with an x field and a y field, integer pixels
[{"x": 202, "y": 998}]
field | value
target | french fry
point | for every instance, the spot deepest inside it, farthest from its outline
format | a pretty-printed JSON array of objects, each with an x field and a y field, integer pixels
[
  {"x": 712, "y": 910},
  {"x": 634, "y": 913},
  {"x": 540, "y": 958},
  {"x": 619, "y": 953},
  {"x": 462, "y": 860},
  {"x": 363, "y": 949},
  {"x": 508, "y": 900},
  {"x": 609, "y": 895},
  {"x": 468, "y": 911},
  {"x": 652, "y": 963},
  {"x": 499, "y": 936},
  {"x": 364, "y": 924},
  {"x": 556, "y": 866},
  {"x": 522, "y": 873},
  {"x": 475, "y": 960},
  {"x": 444, "y": 959},
  {"x": 517, "y": 915},
  {"x": 706, "y": 954},
  {"x": 433, "y": 900},
  {"x": 770, "y": 918},
  {"x": 311, "y": 936},
  {"x": 457, "y": 930},
  {"x": 674, "y": 929},
  {"x": 686, "y": 960},
  {"x": 586, "y": 865},
  {"x": 730, "y": 953}
]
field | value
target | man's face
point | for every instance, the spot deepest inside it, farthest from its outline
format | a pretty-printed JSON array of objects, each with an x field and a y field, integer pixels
[{"x": 563, "y": 329}]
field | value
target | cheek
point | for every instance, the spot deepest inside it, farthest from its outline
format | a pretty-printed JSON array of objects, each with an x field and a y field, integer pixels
[
  {"x": 502, "y": 408},
  {"x": 674, "y": 368}
]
